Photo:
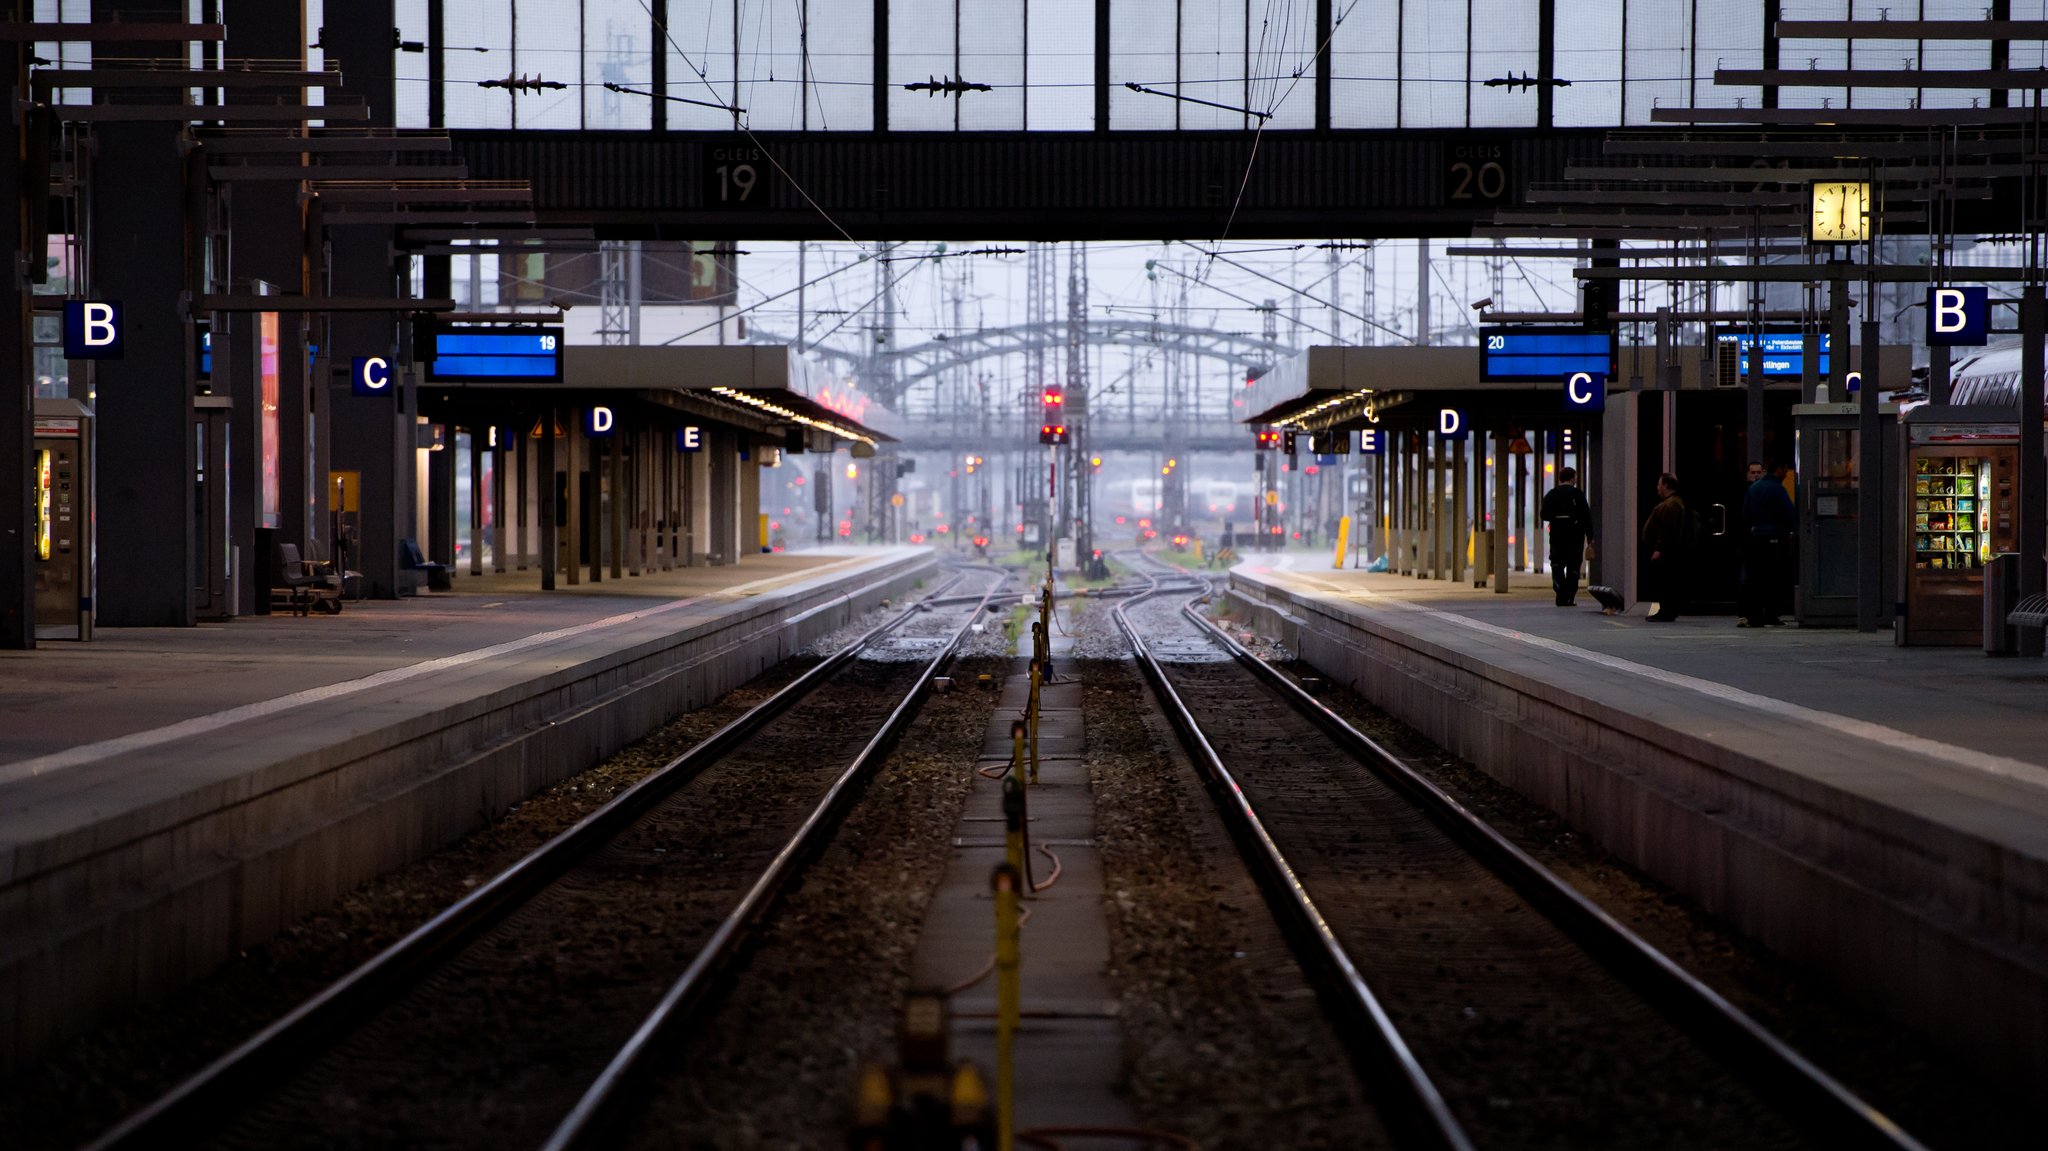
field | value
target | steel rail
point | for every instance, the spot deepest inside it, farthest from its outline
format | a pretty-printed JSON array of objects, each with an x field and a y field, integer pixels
[
  {"x": 292, "y": 1041},
  {"x": 1422, "y": 1112},
  {"x": 1770, "y": 1066},
  {"x": 593, "y": 1121}
]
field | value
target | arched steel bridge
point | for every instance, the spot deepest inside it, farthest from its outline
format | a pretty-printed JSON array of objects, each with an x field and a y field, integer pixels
[{"x": 1112, "y": 428}]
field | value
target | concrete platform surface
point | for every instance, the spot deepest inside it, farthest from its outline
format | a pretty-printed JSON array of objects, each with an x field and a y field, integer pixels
[
  {"x": 1950, "y": 733},
  {"x": 170, "y": 795},
  {"x": 63, "y": 695},
  {"x": 1880, "y": 813}
]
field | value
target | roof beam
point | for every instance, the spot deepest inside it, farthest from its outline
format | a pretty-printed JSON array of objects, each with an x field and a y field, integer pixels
[
  {"x": 111, "y": 31},
  {"x": 233, "y": 141},
  {"x": 1729, "y": 174},
  {"x": 45, "y": 79},
  {"x": 1811, "y": 273},
  {"x": 1830, "y": 117},
  {"x": 229, "y": 172},
  {"x": 242, "y": 113},
  {"x": 1913, "y": 29},
  {"x": 2016, "y": 79},
  {"x": 1750, "y": 147},
  {"x": 237, "y": 303}
]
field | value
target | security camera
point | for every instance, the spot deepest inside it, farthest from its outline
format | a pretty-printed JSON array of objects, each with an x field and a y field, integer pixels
[{"x": 1482, "y": 305}]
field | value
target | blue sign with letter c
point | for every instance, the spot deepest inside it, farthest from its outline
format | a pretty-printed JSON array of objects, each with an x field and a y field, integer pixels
[
  {"x": 1585, "y": 392},
  {"x": 369, "y": 376}
]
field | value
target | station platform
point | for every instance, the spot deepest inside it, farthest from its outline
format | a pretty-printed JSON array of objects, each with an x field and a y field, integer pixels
[
  {"x": 1878, "y": 813},
  {"x": 169, "y": 796}
]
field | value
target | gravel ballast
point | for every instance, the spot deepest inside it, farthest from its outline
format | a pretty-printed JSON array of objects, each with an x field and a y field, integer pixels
[{"x": 1225, "y": 1040}]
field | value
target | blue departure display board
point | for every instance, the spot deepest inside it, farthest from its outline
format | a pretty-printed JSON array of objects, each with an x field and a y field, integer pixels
[
  {"x": 1784, "y": 354},
  {"x": 1542, "y": 355},
  {"x": 494, "y": 355}
]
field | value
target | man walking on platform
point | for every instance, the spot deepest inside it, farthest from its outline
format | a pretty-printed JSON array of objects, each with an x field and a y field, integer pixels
[
  {"x": 1570, "y": 520},
  {"x": 1766, "y": 549},
  {"x": 1665, "y": 540}
]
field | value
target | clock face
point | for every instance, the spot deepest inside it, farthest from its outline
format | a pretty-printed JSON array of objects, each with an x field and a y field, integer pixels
[{"x": 1840, "y": 212}]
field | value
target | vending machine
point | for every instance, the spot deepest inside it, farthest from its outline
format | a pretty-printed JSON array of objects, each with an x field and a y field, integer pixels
[
  {"x": 1959, "y": 506},
  {"x": 60, "y": 475}
]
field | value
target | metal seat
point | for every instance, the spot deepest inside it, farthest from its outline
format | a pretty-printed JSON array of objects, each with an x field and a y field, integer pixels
[{"x": 2029, "y": 612}]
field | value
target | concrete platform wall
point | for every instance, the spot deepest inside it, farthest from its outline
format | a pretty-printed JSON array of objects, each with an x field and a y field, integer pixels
[
  {"x": 134, "y": 908},
  {"x": 1938, "y": 929}
]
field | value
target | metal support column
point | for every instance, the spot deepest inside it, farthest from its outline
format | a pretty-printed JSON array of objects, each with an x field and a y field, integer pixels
[
  {"x": 1500, "y": 513},
  {"x": 1871, "y": 480},
  {"x": 1459, "y": 522},
  {"x": 2033, "y": 466}
]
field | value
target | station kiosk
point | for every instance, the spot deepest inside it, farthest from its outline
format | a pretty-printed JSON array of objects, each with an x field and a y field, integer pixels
[
  {"x": 1959, "y": 511},
  {"x": 1831, "y": 503},
  {"x": 61, "y": 478}
]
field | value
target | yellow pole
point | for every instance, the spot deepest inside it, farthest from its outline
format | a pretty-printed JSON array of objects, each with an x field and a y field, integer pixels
[
  {"x": 1013, "y": 822},
  {"x": 1008, "y": 1004},
  {"x": 1343, "y": 541},
  {"x": 1031, "y": 718}
]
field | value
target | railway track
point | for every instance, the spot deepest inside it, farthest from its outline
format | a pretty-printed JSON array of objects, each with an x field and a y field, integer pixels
[
  {"x": 526, "y": 1014},
  {"x": 1488, "y": 1004}
]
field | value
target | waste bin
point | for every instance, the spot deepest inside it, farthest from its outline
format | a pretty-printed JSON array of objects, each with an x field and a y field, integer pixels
[{"x": 2001, "y": 595}]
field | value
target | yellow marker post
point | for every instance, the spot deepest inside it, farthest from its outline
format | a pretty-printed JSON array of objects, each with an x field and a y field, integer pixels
[
  {"x": 1031, "y": 718},
  {"x": 1343, "y": 541},
  {"x": 1014, "y": 815},
  {"x": 1009, "y": 995}
]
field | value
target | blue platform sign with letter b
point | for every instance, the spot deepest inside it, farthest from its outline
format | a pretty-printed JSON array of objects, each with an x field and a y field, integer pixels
[
  {"x": 1958, "y": 317},
  {"x": 1585, "y": 392},
  {"x": 92, "y": 330}
]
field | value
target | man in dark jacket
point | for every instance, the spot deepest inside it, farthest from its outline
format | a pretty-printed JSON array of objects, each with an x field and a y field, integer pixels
[
  {"x": 1664, "y": 547},
  {"x": 1766, "y": 549},
  {"x": 1570, "y": 521}
]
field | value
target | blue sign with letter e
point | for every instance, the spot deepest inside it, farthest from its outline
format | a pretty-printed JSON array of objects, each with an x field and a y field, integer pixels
[
  {"x": 689, "y": 438},
  {"x": 92, "y": 330},
  {"x": 1585, "y": 392},
  {"x": 1958, "y": 317},
  {"x": 369, "y": 376},
  {"x": 1371, "y": 442}
]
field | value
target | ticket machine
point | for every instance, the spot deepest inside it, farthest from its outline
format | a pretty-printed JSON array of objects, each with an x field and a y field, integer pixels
[
  {"x": 1832, "y": 501},
  {"x": 61, "y": 472}
]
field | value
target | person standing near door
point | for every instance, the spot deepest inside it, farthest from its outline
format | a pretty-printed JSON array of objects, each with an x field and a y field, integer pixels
[
  {"x": 1570, "y": 520},
  {"x": 1664, "y": 547},
  {"x": 1768, "y": 520}
]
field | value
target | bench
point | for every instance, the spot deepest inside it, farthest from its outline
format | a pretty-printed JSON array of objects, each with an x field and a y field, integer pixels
[
  {"x": 306, "y": 585},
  {"x": 2029, "y": 612},
  {"x": 418, "y": 568}
]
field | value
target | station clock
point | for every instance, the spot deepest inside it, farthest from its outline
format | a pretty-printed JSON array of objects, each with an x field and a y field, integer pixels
[{"x": 1839, "y": 212}]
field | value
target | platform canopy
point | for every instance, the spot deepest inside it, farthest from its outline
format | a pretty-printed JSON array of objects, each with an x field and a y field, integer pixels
[
  {"x": 1344, "y": 388},
  {"x": 769, "y": 386}
]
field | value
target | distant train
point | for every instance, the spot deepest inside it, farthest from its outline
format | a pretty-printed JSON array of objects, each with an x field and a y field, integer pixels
[
  {"x": 1990, "y": 377},
  {"x": 1223, "y": 497}
]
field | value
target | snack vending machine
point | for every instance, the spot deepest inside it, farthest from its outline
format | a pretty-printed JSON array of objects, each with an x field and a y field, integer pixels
[
  {"x": 1959, "y": 513},
  {"x": 60, "y": 475}
]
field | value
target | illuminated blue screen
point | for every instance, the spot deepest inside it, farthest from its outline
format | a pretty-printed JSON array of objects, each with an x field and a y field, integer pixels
[
  {"x": 1784, "y": 354},
  {"x": 492, "y": 355},
  {"x": 1543, "y": 355}
]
